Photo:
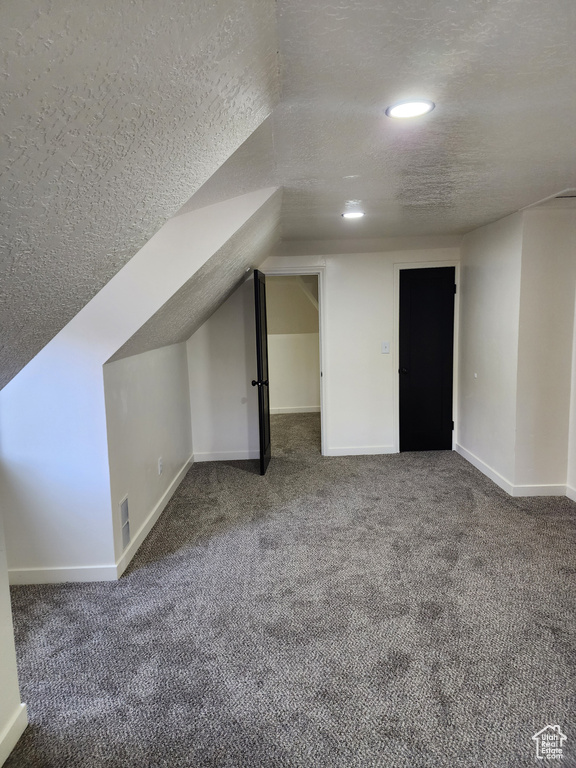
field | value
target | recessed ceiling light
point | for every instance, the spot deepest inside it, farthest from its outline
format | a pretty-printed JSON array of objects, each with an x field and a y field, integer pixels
[
  {"x": 353, "y": 214},
  {"x": 410, "y": 108}
]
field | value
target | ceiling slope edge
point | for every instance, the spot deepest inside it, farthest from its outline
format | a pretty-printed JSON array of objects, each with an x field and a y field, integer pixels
[
  {"x": 175, "y": 253},
  {"x": 111, "y": 120},
  {"x": 200, "y": 296}
]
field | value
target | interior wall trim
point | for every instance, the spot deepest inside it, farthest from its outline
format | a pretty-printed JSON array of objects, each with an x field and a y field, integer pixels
[
  {"x": 361, "y": 450},
  {"x": 543, "y": 489},
  {"x": 571, "y": 492},
  {"x": 296, "y": 409},
  {"x": 62, "y": 574},
  {"x": 12, "y": 732},
  {"x": 148, "y": 524},
  {"x": 226, "y": 456},
  {"x": 540, "y": 490},
  {"x": 487, "y": 470},
  {"x": 310, "y": 265}
]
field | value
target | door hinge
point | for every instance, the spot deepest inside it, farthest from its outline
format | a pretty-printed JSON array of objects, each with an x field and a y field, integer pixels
[
  {"x": 452, "y": 425},
  {"x": 455, "y": 288}
]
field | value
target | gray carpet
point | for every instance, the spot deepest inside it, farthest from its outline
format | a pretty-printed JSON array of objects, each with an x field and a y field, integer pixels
[{"x": 396, "y": 611}]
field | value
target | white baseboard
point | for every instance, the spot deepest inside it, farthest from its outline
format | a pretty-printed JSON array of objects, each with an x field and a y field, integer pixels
[
  {"x": 226, "y": 456},
  {"x": 360, "y": 450},
  {"x": 12, "y": 731},
  {"x": 571, "y": 492},
  {"x": 496, "y": 477},
  {"x": 61, "y": 575},
  {"x": 296, "y": 409},
  {"x": 539, "y": 490},
  {"x": 148, "y": 524},
  {"x": 506, "y": 485}
]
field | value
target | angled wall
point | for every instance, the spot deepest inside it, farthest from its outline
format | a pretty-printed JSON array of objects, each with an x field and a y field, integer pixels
[{"x": 54, "y": 460}]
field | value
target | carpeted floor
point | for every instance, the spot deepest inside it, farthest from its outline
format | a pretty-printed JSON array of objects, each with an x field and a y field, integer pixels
[{"x": 357, "y": 612}]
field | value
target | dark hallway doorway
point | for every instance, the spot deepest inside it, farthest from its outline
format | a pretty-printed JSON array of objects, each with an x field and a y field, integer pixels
[{"x": 426, "y": 358}]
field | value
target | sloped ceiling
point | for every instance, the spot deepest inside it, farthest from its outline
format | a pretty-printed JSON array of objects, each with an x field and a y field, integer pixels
[
  {"x": 211, "y": 285},
  {"x": 113, "y": 114}
]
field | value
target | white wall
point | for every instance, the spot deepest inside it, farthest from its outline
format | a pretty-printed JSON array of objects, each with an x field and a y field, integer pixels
[
  {"x": 294, "y": 368},
  {"x": 221, "y": 365},
  {"x": 571, "y": 479},
  {"x": 13, "y": 718},
  {"x": 545, "y": 348},
  {"x": 517, "y": 320},
  {"x": 147, "y": 417},
  {"x": 55, "y": 487},
  {"x": 358, "y": 306},
  {"x": 293, "y": 345},
  {"x": 489, "y": 321}
]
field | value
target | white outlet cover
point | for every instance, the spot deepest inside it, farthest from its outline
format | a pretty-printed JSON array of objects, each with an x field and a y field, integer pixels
[{"x": 385, "y": 347}]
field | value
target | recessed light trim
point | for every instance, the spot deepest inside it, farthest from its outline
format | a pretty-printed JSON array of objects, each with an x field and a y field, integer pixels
[
  {"x": 353, "y": 214},
  {"x": 411, "y": 108}
]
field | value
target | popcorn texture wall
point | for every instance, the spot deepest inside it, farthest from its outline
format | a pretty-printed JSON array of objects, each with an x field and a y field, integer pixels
[{"x": 113, "y": 114}]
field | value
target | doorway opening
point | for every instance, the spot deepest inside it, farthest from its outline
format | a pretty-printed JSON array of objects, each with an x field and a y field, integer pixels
[{"x": 293, "y": 317}]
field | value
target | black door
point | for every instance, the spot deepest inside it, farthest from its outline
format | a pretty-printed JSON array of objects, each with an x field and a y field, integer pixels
[
  {"x": 262, "y": 370},
  {"x": 426, "y": 358}
]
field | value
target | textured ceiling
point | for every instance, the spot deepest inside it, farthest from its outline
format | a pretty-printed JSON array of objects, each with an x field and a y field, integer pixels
[
  {"x": 503, "y": 76},
  {"x": 113, "y": 113},
  {"x": 200, "y": 296}
]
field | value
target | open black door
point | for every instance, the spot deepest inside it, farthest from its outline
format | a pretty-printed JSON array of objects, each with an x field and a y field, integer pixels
[
  {"x": 426, "y": 358},
  {"x": 262, "y": 370}
]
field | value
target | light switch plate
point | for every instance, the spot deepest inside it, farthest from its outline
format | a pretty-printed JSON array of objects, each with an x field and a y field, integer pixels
[{"x": 385, "y": 347}]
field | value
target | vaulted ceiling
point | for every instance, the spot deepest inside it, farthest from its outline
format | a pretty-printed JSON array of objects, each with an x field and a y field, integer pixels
[{"x": 117, "y": 113}]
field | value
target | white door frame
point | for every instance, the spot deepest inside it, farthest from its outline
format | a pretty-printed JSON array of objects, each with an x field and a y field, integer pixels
[
  {"x": 396, "y": 359},
  {"x": 320, "y": 272}
]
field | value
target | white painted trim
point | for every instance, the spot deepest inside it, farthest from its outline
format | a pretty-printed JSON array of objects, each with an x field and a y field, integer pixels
[
  {"x": 571, "y": 492},
  {"x": 539, "y": 490},
  {"x": 274, "y": 266},
  {"x": 396, "y": 347},
  {"x": 12, "y": 732},
  {"x": 148, "y": 524},
  {"x": 89, "y": 573},
  {"x": 62, "y": 575},
  {"x": 361, "y": 450},
  {"x": 506, "y": 485},
  {"x": 226, "y": 456},
  {"x": 496, "y": 477},
  {"x": 296, "y": 409}
]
